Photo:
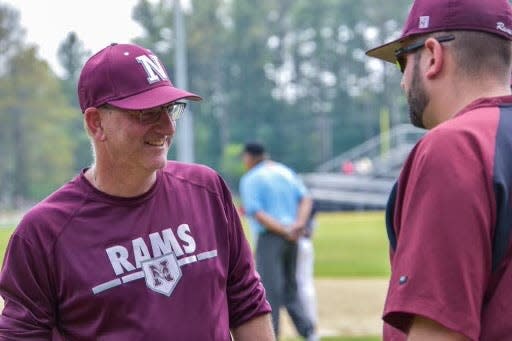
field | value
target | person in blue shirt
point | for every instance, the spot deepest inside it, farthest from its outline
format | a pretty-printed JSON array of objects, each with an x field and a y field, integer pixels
[{"x": 277, "y": 206}]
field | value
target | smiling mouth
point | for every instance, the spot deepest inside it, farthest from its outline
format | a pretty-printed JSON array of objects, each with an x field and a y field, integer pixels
[{"x": 156, "y": 143}]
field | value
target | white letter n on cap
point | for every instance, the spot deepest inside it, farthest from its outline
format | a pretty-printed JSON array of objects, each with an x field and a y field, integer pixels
[{"x": 153, "y": 68}]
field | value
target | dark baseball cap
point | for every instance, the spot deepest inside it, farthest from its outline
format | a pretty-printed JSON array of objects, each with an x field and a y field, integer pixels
[
  {"x": 127, "y": 76},
  {"x": 427, "y": 16},
  {"x": 254, "y": 149}
]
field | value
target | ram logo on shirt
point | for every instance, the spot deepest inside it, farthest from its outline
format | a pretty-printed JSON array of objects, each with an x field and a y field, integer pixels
[
  {"x": 160, "y": 267},
  {"x": 162, "y": 274}
]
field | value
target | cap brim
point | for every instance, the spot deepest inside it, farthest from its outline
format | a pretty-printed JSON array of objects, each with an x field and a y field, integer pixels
[
  {"x": 386, "y": 52},
  {"x": 153, "y": 98}
]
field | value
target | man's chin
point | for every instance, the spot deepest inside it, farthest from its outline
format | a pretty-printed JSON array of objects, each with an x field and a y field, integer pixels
[
  {"x": 156, "y": 165},
  {"x": 416, "y": 120}
]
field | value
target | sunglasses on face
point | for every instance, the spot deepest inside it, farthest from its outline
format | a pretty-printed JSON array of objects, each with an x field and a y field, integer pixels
[
  {"x": 153, "y": 115},
  {"x": 401, "y": 53}
]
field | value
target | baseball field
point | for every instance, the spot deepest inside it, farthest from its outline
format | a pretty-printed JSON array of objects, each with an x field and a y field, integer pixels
[{"x": 351, "y": 267}]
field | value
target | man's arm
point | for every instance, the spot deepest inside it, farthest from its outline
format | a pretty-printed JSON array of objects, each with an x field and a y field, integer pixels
[
  {"x": 274, "y": 226},
  {"x": 426, "y": 329},
  {"x": 298, "y": 228},
  {"x": 256, "y": 329},
  {"x": 270, "y": 224},
  {"x": 304, "y": 211}
]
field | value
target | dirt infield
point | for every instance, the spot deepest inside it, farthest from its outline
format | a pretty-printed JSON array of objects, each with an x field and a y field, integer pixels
[{"x": 346, "y": 307}]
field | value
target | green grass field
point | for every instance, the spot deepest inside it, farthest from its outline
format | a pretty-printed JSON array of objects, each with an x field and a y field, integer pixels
[
  {"x": 5, "y": 233},
  {"x": 351, "y": 245}
]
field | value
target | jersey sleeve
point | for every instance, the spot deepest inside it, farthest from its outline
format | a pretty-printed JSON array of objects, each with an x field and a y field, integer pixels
[
  {"x": 24, "y": 286},
  {"x": 246, "y": 295},
  {"x": 442, "y": 219}
]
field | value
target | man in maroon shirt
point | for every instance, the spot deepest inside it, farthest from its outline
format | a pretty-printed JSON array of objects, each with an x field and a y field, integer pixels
[
  {"x": 449, "y": 215},
  {"x": 135, "y": 247}
]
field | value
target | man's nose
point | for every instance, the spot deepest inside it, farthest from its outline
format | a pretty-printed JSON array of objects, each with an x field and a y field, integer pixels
[{"x": 167, "y": 123}]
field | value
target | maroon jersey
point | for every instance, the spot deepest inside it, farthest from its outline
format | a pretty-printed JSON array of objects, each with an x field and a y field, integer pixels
[
  {"x": 449, "y": 219},
  {"x": 171, "y": 264}
]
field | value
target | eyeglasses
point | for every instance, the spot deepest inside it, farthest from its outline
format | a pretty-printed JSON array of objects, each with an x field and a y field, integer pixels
[
  {"x": 400, "y": 54},
  {"x": 151, "y": 116}
]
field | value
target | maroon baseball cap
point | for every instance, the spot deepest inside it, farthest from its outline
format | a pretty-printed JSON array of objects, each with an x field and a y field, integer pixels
[
  {"x": 127, "y": 76},
  {"x": 427, "y": 16}
]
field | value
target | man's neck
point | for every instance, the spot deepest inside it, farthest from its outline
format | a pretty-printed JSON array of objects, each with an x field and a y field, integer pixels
[
  {"x": 122, "y": 185},
  {"x": 449, "y": 102}
]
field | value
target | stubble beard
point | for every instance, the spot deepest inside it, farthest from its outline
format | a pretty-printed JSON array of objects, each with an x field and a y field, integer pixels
[{"x": 417, "y": 98}]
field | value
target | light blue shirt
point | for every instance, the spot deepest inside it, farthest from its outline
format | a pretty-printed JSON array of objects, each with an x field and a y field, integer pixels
[{"x": 273, "y": 188}]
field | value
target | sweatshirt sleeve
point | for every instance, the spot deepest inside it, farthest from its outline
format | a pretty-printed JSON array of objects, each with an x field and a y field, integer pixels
[{"x": 28, "y": 312}]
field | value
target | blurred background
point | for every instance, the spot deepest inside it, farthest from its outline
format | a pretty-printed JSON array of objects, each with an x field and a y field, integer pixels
[{"x": 290, "y": 73}]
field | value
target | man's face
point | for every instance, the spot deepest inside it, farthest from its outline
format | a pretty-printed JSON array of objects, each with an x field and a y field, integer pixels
[
  {"x": 247, "y": 161},
  {"x": 134, "y": 146}
]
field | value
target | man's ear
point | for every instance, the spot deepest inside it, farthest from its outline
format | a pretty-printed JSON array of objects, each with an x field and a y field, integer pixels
[
  {"x": 93, "y": 123},
  {"x": 436, "y": 57}
]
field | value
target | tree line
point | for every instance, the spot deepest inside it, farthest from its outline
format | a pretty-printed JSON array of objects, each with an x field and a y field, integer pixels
[{"x": 289, "y": 73}]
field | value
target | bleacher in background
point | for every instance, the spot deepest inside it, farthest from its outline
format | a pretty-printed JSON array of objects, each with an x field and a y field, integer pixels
[{"x": 361, "y": 178}]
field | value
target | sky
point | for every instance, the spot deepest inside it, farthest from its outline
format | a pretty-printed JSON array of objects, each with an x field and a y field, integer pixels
[{"x": 96, "y": 22}]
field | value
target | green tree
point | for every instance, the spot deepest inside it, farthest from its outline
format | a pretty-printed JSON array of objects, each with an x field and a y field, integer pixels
[
  {"x": 39, "y": 150},
  {"x": 72, "y": 55},
  {"x": 36, "y": 147},
  {"x": 320, "y": 69},
  {"x": 11, "y": 34}
]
